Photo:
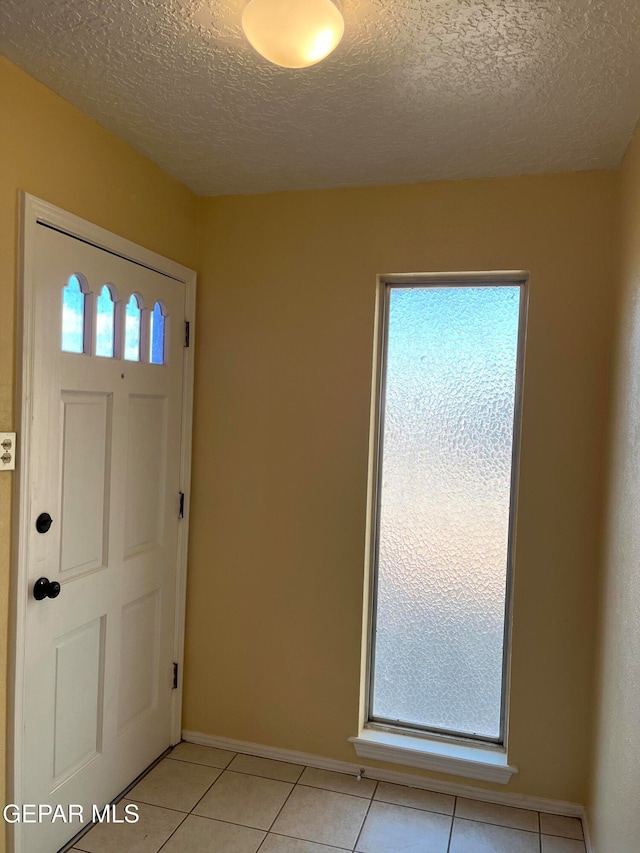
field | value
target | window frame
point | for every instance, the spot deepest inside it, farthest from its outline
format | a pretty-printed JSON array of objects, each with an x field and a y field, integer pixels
[{"x": 386, "y": 283}]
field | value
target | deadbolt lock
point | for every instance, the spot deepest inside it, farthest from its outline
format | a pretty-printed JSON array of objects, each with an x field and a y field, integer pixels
[{"x": 43, "y": 522}]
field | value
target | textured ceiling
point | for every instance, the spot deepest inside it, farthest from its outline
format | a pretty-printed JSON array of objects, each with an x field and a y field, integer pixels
[{"x": 417, "y": 90}]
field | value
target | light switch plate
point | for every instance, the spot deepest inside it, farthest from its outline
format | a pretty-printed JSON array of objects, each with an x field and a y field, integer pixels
[{"x": 7, "y": 451}]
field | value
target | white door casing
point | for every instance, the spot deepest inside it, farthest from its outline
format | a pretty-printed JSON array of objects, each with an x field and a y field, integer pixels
[{"x": 106, "y": 451}]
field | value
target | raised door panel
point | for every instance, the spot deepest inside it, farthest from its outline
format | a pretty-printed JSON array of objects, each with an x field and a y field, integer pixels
[
  {"x": 79, "y": 689},
  {"x": 145, "y": 491},
  {"x": 85, "y": 481},
  {"x": 139, "y": 659}
]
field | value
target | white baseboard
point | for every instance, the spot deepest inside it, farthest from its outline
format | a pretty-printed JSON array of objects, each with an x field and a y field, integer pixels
[{"x": 536, "y": 804}]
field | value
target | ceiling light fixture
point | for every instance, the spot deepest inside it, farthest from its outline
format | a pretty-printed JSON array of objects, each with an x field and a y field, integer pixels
[{"x": 293, "y": 33}]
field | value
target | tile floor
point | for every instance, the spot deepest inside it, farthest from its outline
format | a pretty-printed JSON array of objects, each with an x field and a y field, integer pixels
[{"x": 203, "y": 800}]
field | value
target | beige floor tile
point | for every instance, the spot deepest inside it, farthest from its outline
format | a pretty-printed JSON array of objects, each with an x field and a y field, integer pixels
[
  {"x": 323, "y": 816},
  {"x": 148, "y": 835},
  {"x": 416, "y": 798},
  {"x": 341, "y": 783},
  {"x": 174, "y": 784},
  {"x": 266, "y": 767},
  {"x": 201, "y": 835},
  {"x": 555, "y": 824},
  {"x": 247, "y": 800},
  {"x": 389, "y": 829},
  {"x": 470, "y": 836},
  {"x": 553, "y": 844},
  {"x": 500, "y": 815},
  {"x": 196, "y": 754},
  {"x": 281, "y": 844}
]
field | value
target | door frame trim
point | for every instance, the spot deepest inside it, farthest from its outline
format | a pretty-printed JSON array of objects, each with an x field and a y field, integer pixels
[{"x": 32, "y": 212}]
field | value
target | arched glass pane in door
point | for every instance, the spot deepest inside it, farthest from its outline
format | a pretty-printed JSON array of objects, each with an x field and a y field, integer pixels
[
  {"x": 132, "y": 328},
  {"x": 156, "y": 335},
  {"x": 105, "y": 323},
  {"x": 73, "y": 305}
]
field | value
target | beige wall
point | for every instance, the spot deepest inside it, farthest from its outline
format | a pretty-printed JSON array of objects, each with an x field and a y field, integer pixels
[
  {"x": 614, "y": 806},
  {"x": 50, "y": 149},
  {"x": 286, "y": 305}
]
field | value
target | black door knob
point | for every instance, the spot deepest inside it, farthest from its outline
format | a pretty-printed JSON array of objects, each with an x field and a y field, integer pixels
[
  {"x": 43, "y": 522},
  {"x": 44, "y": 588}
]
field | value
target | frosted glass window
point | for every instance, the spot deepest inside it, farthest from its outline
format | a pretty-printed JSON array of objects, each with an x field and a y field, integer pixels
[
  {"x": 156, "y": 335},
  {"x": 105, "y": 323},
  {"x": 444, "y": 498},
  {"x": 132, "y": 328},
  {"x": 73, "y": 302}
]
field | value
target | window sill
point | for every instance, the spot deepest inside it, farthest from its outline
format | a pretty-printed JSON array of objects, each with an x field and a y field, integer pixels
[{"x": 474, "y": 762}]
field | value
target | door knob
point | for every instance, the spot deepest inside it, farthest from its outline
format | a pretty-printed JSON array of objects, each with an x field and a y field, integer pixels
[
  {"x": 44, "y": 588},
  {"x": 43, "y": 522}
]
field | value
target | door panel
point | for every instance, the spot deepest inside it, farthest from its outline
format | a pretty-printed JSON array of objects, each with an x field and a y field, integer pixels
[
  {"x": 139, "y": 658},
  {"x": 146, "y": 453},
  {"x": 85, "y": 488},
  {"x": 79, "y": 683}
]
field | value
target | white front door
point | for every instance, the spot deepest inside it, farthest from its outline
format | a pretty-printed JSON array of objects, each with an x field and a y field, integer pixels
[{"x": 105, "y": 461}]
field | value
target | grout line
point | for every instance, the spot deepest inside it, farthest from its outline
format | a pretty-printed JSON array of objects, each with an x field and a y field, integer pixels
[
  {"x": 274, "y": 760},
  {"x": 366, "y": 815},
  {"x": 293, "y": 787},
  {"x": 279, "y": 812},
  {"x": 501, "y": 825},
  {"x": 257, "y": 776},
  {"x": 490, "y": 803},
  {"x": 400, "y": 805},
  {"x": 138, "y": 801},
  {"x": 199, "y": 763},
  {"x": 453, "y": 820},
  {"x": 200, "y": 799},
  {"x": 306, "y": 841},
  {"x": 539, "y": 832},
  {"x": 341, "y": 793},
  {"x": 147, "y": 803},
  {"x": 166, "y": 841},
  {"x": 186, "y": 814},
  {"x": 227, "y": 822},
  {"x": 213, "y": 820},
  {"x": 266, "y": 835}
]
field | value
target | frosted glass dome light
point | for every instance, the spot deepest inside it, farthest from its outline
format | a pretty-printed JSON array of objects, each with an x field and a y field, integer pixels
[{"x": 293, "y": 33}]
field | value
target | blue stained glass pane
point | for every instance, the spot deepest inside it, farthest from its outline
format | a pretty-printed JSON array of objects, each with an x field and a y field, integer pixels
[
  {"x": 156, "y": 349},
  {"x": 132, "y": 330},
  {"x": 444, "y": 507},
  {"x": 73, "y": 316},
  {"x": 105, "y": 325}
]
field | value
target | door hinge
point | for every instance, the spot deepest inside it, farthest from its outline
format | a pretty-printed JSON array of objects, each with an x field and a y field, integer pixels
[
  {"x": 175, "y": 676},
  {"x": 187, "y": 332},
  {"x": 181, "y": 510}
]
